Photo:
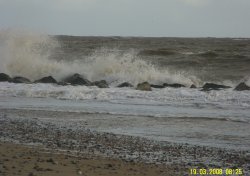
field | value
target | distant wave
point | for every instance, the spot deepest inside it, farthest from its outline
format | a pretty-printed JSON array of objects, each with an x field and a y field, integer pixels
[
  {"x": 240, "y": 56},
  {"x": 208, "y": 54},
  {"x": 159, "y": 52},
  {"x": 240, "y": 39},
  {"x": 170, "y": 52}
]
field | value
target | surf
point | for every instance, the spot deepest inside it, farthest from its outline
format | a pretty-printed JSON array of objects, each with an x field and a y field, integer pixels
[{"x": 30, "y": 54}]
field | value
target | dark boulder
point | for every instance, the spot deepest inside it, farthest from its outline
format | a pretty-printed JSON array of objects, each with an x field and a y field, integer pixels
[
  {"x": 212, "y": 86},
  {"x": 157, "y": 86},
  {"x": 77, "y": 79},
  {"x": 175, "y": 85},
  {"x": 20, "y": 79},
  {"x": 125, "y": 84},
  {"x": 193, "y": 86},
  {"x": 145, "y": 86},
  {"x": 61, "y": 83},
  {"x": 242, "y": 86},
  {"x": 4, "y": 77},
  {"x": 101, "y": 84},
  {"x": 48, "y": 79}
]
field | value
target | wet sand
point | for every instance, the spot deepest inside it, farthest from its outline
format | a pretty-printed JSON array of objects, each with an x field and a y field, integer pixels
[{"x": 16, "y": 159}]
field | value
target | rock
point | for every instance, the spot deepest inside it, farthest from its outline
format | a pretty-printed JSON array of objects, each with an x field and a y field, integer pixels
[
  {"x": 212, "y": 86},
  {"x": 77, "y": 79},
  {"x": 20, "y": 79},
  {"x": 61, "y": 83},
  {"x": 52, "y": 161},
  {"x": 101, "y": 84},
  {"x": 175, "y": 85},
  {"x": 73, "y": 162},
  {"x": 145, "y": 86},
  {"x": 31, "y": 174},
  {"x": 79, "y": 172},
  {"x": 4, "y": 77},
  {"x": 242, "y": 86},
  {"x": 48, "y": 79},
  {"x": 247, "y": 157},
  {"x": 48, "y": 169},
  {"x": 193, "y": 86},
  {"x": 109, "y": 165},
  {"x": 37, "y": 168},
  {"x": 157, "y": 86},
  {"x": 125, "y": 84}
]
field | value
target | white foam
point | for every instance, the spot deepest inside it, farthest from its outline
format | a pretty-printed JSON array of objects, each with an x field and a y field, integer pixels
[
  {"x": 116, "y": 68},
  {"x": 248, "y": 81},
  {"x": 28, "y": 54},
  {"x": 167, "y": 102}
]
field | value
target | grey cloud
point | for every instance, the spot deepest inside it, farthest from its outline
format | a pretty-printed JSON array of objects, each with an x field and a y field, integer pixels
[{"x": 187, "y": 18}]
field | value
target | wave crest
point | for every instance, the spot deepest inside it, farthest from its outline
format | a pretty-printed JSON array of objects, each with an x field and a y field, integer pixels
[{"x": 29, "y": 54}]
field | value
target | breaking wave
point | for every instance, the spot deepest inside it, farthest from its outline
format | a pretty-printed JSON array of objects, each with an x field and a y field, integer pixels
[{"x": 29, "y": 54}]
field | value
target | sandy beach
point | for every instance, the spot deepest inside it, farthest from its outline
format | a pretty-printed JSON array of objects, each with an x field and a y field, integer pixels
[
  {"x": 16, "y": 159},
  {"x": 41, "y": 146}
]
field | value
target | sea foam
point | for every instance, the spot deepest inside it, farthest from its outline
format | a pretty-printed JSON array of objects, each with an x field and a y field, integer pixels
[
  {"x": 167, "y": 102},
  {"x": 30, "y": 55}
]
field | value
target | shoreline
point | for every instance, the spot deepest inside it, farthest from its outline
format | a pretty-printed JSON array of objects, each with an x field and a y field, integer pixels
[{"x": 76, "y": 137}]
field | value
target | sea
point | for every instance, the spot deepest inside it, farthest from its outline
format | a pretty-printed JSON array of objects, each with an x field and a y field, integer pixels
[{"x": 218, "y": 118}]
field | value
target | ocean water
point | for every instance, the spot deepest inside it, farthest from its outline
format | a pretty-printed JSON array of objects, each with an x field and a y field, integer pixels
[{"x": 216, "y": 118}]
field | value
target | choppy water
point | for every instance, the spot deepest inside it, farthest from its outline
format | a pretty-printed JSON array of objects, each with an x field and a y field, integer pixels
[
  {"x": 206, "y": 59},
  {"x": 118, "y": 59}
]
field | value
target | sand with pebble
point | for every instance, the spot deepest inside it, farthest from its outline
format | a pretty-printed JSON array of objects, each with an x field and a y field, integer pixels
[{"x": 41, "y": 146}]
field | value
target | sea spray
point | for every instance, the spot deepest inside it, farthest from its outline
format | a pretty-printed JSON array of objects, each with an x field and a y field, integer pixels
[
  {"x": 30, "y": 54},
  {"x": 27, "y": 54},
  {"x": 118, "y": 67}
]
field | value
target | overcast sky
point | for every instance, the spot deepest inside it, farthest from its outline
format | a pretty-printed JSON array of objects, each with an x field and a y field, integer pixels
[{"x": 173, "y": 18}]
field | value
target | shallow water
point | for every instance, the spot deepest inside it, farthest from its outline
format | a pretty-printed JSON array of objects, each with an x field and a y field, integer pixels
[{"x": 189, "y": 125}]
